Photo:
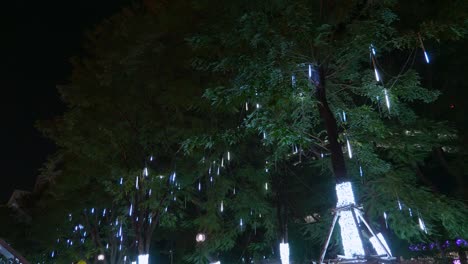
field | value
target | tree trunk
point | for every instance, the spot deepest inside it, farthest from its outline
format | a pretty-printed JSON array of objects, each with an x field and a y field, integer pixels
[{"x": 337, "y": 157}]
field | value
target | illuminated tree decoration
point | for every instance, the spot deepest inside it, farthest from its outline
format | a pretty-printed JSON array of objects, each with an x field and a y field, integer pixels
[
  {"x": 284, "y": 253},
  {"x": 352, "y": 244}
]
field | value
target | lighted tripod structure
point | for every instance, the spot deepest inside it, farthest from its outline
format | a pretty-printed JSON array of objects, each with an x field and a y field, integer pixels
[{"x": 350, "y": 218}]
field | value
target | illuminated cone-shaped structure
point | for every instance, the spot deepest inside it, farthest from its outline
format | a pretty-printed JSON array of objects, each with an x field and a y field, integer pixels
[{"x": 351, "y": 240}]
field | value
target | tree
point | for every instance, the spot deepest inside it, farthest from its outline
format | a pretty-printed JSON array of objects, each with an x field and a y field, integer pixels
[{"x": 306, "y": 67}]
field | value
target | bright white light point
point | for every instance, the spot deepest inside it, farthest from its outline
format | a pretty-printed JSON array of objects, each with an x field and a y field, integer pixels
[
  {"x": 344, "y": 116},
  {"x": 387, "y": 100},
  {"x": 217, "y": 262},
  {"x": 100, "y": 257},
  {"x": 410, "y": 212},
  {"x": 310, "y": 71},
  {"x": 284, "y": 253},
  {"x": 360, "y": 171},
  {"x": 378, "y": 248},
  {"x": 199, "y": 186},
  {"x": 221, "y": 207},
  {"x": 121, "y": 181},
  {"x": 266, "y": 186},
  {"x": 246, "y": 106},
  {"x": 136, "y": 183},
  {"x": 134, "y": 262},
  {"x": 399, "y": 205},
  {"x": 222, "y": 162},
  {"x": 229, "y": 155},
  {"x": 264, "y": 135},
  {"x": 426, "y": 56},
  {"x": 211, "y": 179},
  {"x": 217, "y": 172},
  {"x": 92, "y": 210},
  {"x": 241, "y": 222},
  {"x": 145, "y": 172},
  {"x": 200, "y": 237},
  {"x": 422, "y": 225},
  {"x": 377, "y": 77},
  {"x": 151, "y": 158},
  {"x": 350, "y": 152},
  {"x": 149, "y": 192},
  {"x": 258, "y": 106},
  {"x": 143, "y": 259},
  {"x": 385, "y": 217},
  {"x": 130, "y": 210},
  {"x": 352, "y": 243}
]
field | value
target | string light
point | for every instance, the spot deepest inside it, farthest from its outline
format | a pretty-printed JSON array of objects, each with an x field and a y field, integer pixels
[
  {"x": 360, "y": 171},
  {"x": 221, "y": 207},
  {"x": 228, "y": 155}
]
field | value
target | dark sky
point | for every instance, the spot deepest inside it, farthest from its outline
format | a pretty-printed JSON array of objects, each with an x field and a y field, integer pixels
[{"x": 38, "y": 39}]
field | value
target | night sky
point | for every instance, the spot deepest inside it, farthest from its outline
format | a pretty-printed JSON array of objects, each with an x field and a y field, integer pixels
[{"x": 38, "y": 40}]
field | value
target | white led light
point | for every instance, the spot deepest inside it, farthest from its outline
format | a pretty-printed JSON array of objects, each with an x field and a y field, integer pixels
[
  {"x": 100, "y": 257},
  {"x": 221, "y": 207},
  {"x": 130, "y": 210},
  {"x": 344, "y": 116},
  {"x": 399, "y": 205},
  {"x": 378, "y": 247},
  {"x": 134, "y": 262},
  {"x": 310, "y": 71},
  {"x": 426, "y": 56},
  {"x": 422, "y": 225},
  {"x": 229, "y": 155},
  {"x": 385, "y": 218},
  {"x": 199, "y": 186},
  {"x": 200, "y": 237},
  {"x": 136, "y": 183},
  {"x": 145, "y": 172},
  {"x": 350, "y": 152},
  {"x": 266, "y": 186},
  {"x": 352, "y": 244},
  {"x": 258, "y": 106},
  {"x": 377, "y": 77},
  {"x": 143, "y": 259},
  {"x": 360, "y": 171},
  {"x": 387, "y": 99},
  {"x": 217, "y": 262},
  {"x": 246, "y": 106}
]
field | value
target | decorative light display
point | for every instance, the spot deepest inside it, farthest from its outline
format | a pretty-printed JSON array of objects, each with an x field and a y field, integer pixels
[
  {"x": 200, "y": 237},
  {"x": 387, "y": 99},
  {"x": 378, "y": 247},
  {"x": 422, "y": 225},
  {"x": 101, "y": 257},
  {"x": 143, "y": 259},
  {"x": 350, "y": 152},
  {"x": 221, "y": 207},
  {"x": 284, "y": 253},
  {"x": 352, "y": 244}
]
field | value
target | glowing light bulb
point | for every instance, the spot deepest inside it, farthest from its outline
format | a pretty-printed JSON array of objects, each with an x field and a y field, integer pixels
[
  {"x": 221, "y": 207},
  {"x": 101, "y": 257}
]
